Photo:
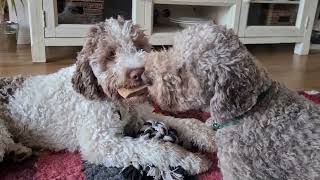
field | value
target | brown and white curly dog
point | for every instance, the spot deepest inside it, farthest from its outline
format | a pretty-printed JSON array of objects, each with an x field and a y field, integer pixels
[
  {"x": 79, "y": 109},
  {"x": 264, "y": 130}
]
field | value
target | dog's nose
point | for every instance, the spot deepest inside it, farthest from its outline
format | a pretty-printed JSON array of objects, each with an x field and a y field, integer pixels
[{"x": 135, "y": 74}]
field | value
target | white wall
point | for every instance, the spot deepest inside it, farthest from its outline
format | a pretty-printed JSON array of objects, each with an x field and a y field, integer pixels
[{"x": 23, "y": 20}]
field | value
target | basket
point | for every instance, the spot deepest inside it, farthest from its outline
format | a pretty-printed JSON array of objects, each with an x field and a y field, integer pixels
[
  {"x": 8, "y": 36},
  {"x": 81, "y": 12},
  {"x": 278, "y": 14}
]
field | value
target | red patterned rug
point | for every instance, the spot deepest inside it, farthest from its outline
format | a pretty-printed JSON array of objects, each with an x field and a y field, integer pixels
[{"x": 69, "y": 166}]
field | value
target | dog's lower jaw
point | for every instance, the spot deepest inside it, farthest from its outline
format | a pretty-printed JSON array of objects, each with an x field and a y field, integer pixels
[{"x": 132, "y": 101}]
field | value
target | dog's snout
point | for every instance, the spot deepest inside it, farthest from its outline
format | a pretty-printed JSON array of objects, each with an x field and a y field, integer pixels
[{"x": 135, "y": 74}]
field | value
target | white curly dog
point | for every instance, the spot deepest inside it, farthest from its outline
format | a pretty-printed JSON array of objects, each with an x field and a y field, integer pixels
[{"x": 78, "y": 108}]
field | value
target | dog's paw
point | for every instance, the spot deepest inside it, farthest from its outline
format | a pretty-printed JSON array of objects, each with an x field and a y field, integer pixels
[
  {"x": 195, "y": 163},
  {"x": 18, "y": 152},
  {"x": 207, "y": 140},
  {"x": 175, "y": 156}
]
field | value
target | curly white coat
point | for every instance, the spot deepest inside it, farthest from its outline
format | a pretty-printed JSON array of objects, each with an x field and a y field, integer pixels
[{"x": 45, "y": 111}]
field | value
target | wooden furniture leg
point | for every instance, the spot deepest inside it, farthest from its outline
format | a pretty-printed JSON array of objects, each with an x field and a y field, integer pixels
[
  {"x": 302, "y": 48},
  {"x": 36, "y": 22}
]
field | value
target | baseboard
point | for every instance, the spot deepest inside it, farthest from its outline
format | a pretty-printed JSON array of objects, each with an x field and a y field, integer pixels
[{"x": 23, "y": 38}]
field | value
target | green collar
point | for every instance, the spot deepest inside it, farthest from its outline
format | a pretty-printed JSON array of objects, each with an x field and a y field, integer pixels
[{"x": 237, "y": 119}]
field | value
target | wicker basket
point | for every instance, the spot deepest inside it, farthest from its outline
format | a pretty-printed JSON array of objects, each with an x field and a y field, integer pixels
[
  {"x": 281, "y": 15},
  {"x": 8, "y": 36},
  {"x": 82, "y": 12}
]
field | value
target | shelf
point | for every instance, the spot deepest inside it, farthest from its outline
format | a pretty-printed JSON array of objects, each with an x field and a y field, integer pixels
[
  {"x": 315, "y": 46},
  {"x": 198, "y": 2},
  {"x": 275, "y": 1},
  {"x": 163, "y": 34}
]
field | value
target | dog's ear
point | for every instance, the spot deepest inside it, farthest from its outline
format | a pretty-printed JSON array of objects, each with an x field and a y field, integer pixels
[
  {"x": 85, "y": 83},
  {"x": 140, "y": 39},
  {"x": 238, "y": 81},
  {"x": 137, "y": 34},
  {"x": 83, "y": 79}
]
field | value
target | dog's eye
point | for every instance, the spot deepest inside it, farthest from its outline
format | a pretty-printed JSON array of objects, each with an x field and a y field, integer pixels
[
  {"x": 118, "y": 112},
  {"x": 112, "y": 54}
]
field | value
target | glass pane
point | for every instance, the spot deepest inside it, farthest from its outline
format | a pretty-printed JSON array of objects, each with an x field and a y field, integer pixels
[
  {"x": 272, "y": 14},
  {"x": 170, "y": 18},
  {"x": 91, "y": 11}
]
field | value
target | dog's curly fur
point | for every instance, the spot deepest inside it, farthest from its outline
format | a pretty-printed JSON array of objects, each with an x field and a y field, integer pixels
[
  {"x": 103, "y": 43},
  {"x": 271, "y": 137},
  {"x": 78, "y": 108}
]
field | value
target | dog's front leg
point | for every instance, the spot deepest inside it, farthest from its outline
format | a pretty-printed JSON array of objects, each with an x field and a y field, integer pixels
[
  {"x": 5, "y": 139},
  {"x": 7, "y": 145},
  {"x": 189, "y": 129},
  {"x": 115, "y": 150}
]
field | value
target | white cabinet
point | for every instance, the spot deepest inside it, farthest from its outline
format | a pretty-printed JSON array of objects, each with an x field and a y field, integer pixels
[
  {"x": 67, "y": 22},
  {"x": 226, "y": 12},
  {"x": 55, "y": 29},
  {"x": 51, "y": 25},
  {"x": 283, "y": 18},
  {"x": 255, "y": 21},
  {"x": 287, "y": 21}
]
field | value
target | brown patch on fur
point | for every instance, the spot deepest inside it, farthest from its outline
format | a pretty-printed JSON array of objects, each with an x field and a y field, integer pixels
[
  {"x": 83, "y": 80},
  {"x": 85, "y": 83},
  {"x": 140, "y": 40},
  {"x": 8, "y": 86},
  {"x": 138, "y": 37},
  {"x": 99, "y": 52}
]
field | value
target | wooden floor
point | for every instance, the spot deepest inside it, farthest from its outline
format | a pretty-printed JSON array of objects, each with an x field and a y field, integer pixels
[{"x": 297, "y": 72}]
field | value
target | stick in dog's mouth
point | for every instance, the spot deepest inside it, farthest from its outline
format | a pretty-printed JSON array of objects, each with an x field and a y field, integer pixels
[{"x": 128, "y": 93}]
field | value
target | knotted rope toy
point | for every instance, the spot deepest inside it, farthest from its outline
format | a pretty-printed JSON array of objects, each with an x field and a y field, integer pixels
[{"x": 159, "y": 131}]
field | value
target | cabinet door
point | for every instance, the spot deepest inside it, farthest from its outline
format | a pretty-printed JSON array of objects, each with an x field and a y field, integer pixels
[
  {"x": 157, "y": 16},
  {"x": 273, "y": 18},
  {"x": 70, "y": 18}
]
